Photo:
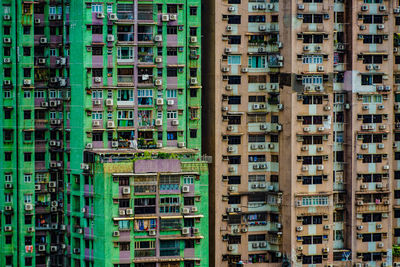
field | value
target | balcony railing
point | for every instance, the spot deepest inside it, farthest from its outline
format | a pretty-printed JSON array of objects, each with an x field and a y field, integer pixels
[
  {"x": 145, "y": 253},
  {"x": 125, "y": 37},
  {"x": 145, "y": 37},
  {"x": 125, "y": 79}
]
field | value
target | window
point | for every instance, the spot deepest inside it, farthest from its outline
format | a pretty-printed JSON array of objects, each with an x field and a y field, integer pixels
[
  {"x": 169, "y": 248},
  {"x": 97, "y": 72},
  {"x": 172, "y": 93},
  {"x": 28, "y": 198},
  {"x": 124, "y": 246},
  {"x": 97, "y": 115},
  {"x": 234, "y": 19},
  {"x": 257, "y": 61},
  {"x": 172, "y": 136},
  {"x": 234, "y": 79},
  {"x": 234, "y": 39},
  {"x": 145, "y": 97},
  {"x": 234, "y": 60},
  {"x": 125, "y": 95},
  {"x": 256, "y": 18},
  {"x": 315, "y": 201},
  {"x": 193, "y": 10},
  {"x": 97, "y": 136},
  {"x": 27, "y": 157},
  {"x": 97, "y": 8},
  {"x": 193, "y": 133},
  {"x": 312, "y": 59},
  {"x": 27, "y": 114},
  {"x": 27, "y": 136},
  {"x": 169, "y": 205},
  {"x": 125, "y": 53},
  {"x": 27, "y": 178},
  {"x": 172, "y": 30},
  {"x": 172, "y": 114}
]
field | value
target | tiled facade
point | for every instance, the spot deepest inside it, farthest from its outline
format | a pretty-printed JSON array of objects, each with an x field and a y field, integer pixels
[
  {"x": 84, "y": 81},
  {"x": 311, "y": 85}
]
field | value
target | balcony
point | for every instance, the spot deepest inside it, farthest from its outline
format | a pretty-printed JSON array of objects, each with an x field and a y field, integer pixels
[
  {"x": 145, "y": 253},
  {"x": 125, "y": 79}
]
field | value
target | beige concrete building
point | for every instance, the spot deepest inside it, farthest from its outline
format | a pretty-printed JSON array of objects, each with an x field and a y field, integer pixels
[{"x": 303, "y": 123}]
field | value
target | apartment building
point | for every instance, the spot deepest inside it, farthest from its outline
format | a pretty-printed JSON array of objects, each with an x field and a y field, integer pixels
[
  {"x": 100, "y": 158},
  {"x": 301, "y": 107}
]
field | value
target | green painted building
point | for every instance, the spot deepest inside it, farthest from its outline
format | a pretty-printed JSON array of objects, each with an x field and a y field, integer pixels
[{"x": 98, "y": 98}]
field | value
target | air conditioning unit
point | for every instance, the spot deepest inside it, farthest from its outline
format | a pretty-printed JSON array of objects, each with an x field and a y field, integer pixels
[
  {"x": 37, "y": 187},
  {"x": 256, "y": 106},
  {"x": 228, "y": 50},
  {"x": 185, "y": 210},
  {"x": 229, "y": 28},
  {"x": 110, "y": 38},
  {"x": 7, "y": 228},
  {"x": 230, "y": 149},
  {"x": 165, "y": 17},
  {"x": 230, "y": 247},
  {"x": 6, "y": 17},
  {"x": 7, "y": 60},
  {"x": 244, "y": 70},
  {"x": 8, "y": 186},
  {"x": 42, "y": 248},
  {"x": 306, "y": 48},
  {"x": 97, "y": 79},
  {"x": 158, "y": 60},
  {"x": 77, "y": 250},
  {"x": 360, "y": 227},
  {"x": 109, "y": 102},
  {"x": 115, "y": 233},
  {"x": 175, "y": 122},
  {"x": 321, "y": 129},
  {"x": 193, "y": 39},
  {"x": 325, "y": 250},
  {"x": 396, "y": 10},
  {"x": 158, "y": 38},
  {"x": 110, "y": 124},
  {"x": 362, "y": 27},
  {"x": 386, "y": 167},
  {"x": 7, "y": 40},
  {"x": 185, "y": 189},
  {"x": 320, "y": 68},
  {"x": 30, "y": 229},
  {"x": 96, "y": 123},
  {"x": 173, "y": 17},
  {"x": 300, "y": 6},
  {"x": 379, "y": 226},
  {"x": 152, "y": 232},
  {"x": 27, "y": 82},
  {"x": 299, "y": 228},
  {"x": 114, "y": 144},
  {"x": 262, "y": 28},
  {"x": 43, "y": 40},
  {"x": 364, "y": 8},
  {"x": 304, "y": 168},
  {"x": 129, "y": 211},
  {"x": 7, "y": 82},
  {"x": 126, "y": 190},
  {"x": 121, "y": 212},
  {"x": 159, "y": 122},
  {"x": 100, "y": 15},
  {"x": 380, "y": 245},
  {"x": 85, "y": 166},
  {"x": 112, "y": 16},
  {"x": 53, "y": 248},
  {"x": 382, "y": 8},
  {"x": 158, "y": 82},
  {"x": 52, "y": 17},
  {"x": 170, "y": 102},
  {"x": 185, "y": 230},
  {"x": 306, "y": 129},
  {"x": 8, "y": 208},
  {"x": 255, "y": 245},
  {"x": 231, "y": 9},
  {"x": 28, "y": 207},
  {"x": 262, "y": 87}
]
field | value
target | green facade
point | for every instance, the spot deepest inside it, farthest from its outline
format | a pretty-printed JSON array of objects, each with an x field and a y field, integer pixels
[{"x": 90, "y": 79}]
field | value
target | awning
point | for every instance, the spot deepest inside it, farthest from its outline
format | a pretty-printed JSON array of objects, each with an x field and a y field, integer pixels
[
  {"x": 145, "y": 217},
  {"x": 171, "y": 217}
]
